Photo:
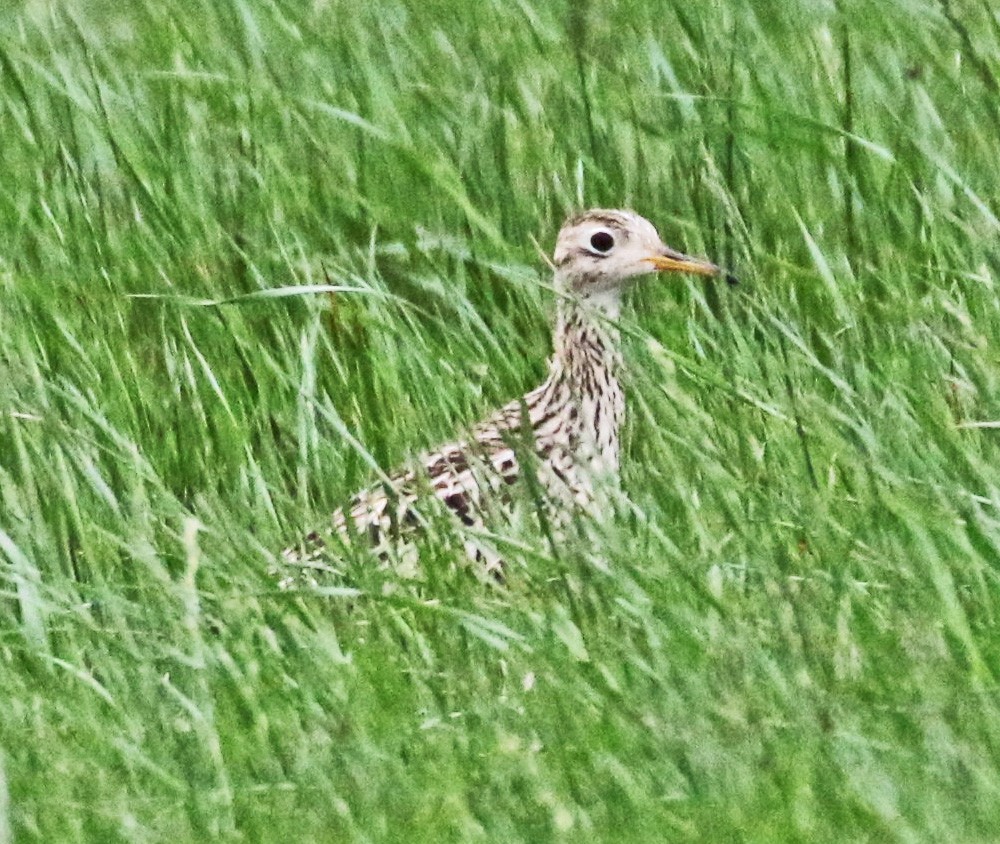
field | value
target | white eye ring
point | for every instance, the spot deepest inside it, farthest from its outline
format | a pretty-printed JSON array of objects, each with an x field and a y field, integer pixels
[{"x": 602, "y": 242}]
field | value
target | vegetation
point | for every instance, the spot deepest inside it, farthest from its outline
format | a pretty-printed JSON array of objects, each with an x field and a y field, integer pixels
[{"x": 789, "y": 631}]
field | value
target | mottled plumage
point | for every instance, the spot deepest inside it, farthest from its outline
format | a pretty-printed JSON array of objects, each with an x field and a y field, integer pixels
[{"x": 574, "y": 417}]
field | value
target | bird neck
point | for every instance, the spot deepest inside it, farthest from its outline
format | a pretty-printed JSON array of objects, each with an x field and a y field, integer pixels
[
  {"x": 587, "y": 339},
  {"x": 583, "y": 382}
]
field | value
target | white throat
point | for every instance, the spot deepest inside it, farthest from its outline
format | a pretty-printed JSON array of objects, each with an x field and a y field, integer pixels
[{"x": 605, "y": 303}]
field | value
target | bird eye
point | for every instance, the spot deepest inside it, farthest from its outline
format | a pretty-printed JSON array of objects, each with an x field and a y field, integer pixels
[{"x": 602, "y": 241}]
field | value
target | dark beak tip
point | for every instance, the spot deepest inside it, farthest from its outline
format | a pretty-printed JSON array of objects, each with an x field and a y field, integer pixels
[{"x": 731, "y": 280}]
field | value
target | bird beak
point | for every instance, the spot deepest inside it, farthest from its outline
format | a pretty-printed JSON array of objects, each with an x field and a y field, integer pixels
[{"x": 671, "y": 261}]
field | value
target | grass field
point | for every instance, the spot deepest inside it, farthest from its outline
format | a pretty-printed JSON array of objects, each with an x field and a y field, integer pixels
[{"x": 790, "y": 631}]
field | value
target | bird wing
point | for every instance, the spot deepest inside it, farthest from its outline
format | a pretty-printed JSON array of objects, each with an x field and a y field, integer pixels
[{"x": 460, "y": 475}]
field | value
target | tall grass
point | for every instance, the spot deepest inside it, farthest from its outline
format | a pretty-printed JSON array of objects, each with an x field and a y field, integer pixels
[{"x": 789, "y": 632}]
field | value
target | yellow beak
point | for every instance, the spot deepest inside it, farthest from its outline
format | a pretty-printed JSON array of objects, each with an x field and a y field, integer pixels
[{"x": 670, "y": 261}]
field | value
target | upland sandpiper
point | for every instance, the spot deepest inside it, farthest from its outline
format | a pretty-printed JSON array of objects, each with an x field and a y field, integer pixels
[{"x": 568, "y": 428}]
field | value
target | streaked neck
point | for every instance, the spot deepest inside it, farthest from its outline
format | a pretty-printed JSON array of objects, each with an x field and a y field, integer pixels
[
  {"x": 584, "y": 371},
  {"x": 587, "y": 337}
]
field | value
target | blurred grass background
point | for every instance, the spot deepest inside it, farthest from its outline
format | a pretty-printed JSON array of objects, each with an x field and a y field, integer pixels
[{"x": 796, "y": 636}]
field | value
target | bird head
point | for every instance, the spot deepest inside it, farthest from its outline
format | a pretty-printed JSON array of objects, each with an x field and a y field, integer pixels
[{"x": 599, "y": 251}]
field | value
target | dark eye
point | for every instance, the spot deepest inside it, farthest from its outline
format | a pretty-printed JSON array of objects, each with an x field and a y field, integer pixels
[{"x": 602, "y": 241}]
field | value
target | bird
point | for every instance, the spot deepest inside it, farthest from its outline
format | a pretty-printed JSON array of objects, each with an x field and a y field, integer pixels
[{"x": 565, "y": 433}]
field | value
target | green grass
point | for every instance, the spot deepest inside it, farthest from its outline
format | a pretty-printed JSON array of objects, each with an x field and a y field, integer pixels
[{"x": 797, "y": 633}]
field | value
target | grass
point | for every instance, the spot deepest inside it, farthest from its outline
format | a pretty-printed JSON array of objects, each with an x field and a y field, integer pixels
[{"x": 790, "y": 631}]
